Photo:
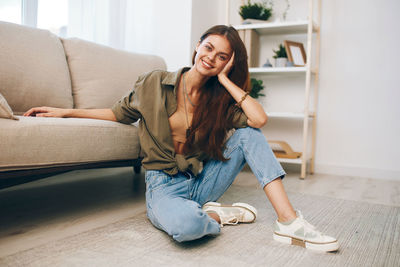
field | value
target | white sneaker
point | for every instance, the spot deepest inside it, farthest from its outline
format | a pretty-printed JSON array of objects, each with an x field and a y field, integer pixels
[
  {"x": 232, "y": 214},
  {"x": 302, "y": 233}
]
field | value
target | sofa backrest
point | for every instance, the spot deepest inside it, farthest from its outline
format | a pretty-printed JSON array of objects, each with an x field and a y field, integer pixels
[
  {"x": 101, "y": 75},
  {"x": 33, "y": 68}
]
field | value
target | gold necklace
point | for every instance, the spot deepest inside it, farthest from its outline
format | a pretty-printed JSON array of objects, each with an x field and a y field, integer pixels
[
  {"x": 188, "y": 98},
  {"x": 188, "y": 130}
]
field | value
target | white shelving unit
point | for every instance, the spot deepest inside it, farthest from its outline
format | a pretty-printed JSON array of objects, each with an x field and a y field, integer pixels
[
  {"x": 311, "y": 29},
  {"x": 278, "y": 70},
  {"x": 289, "y": 115},
  {"x": 287, "y": 27}
]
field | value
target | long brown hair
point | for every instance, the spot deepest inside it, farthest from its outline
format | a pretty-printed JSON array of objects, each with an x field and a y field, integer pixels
[{"x": 213, "y": 116}]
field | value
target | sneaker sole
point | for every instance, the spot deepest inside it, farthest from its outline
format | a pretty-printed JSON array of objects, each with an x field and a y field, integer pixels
[
  {"x": 325, "y": 247},
  {"x": 239, "y": 204}
]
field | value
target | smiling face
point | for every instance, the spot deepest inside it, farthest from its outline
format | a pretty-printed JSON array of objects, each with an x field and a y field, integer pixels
[{"x": 213, "y": 53}]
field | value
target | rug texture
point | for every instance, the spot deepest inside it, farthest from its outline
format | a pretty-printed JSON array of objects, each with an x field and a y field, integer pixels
[{"x": 369, "y": 235}]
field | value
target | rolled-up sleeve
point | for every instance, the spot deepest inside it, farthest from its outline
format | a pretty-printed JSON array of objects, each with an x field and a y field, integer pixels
[
  {"x": 239, "y": 119},
  {"x": 125, "y": 111}
]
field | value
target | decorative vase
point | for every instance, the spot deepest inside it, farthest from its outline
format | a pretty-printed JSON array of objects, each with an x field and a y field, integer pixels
[
  {"x": 267, "y": 64},
  {"x": 289, "y": 64},
  {"x": 280, "y": 62}
]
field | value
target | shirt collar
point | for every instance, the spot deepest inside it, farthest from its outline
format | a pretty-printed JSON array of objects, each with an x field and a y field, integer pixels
[{"x": 172, "y": 78}]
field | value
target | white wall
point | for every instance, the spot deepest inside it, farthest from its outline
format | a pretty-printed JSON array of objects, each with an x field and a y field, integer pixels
[
  {"x": 358, "y": 125},
  {"x": 168, "y": 26},
  {"x": 205, "y": 14}
]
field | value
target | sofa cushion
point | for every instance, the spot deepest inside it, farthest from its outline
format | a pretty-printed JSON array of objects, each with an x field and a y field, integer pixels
[
  {"x": 33, "y": 68},
  {"x": 5, "y": 110},
  {"x": 35, "y": 142},
  {"x": 102, "y": 75}
]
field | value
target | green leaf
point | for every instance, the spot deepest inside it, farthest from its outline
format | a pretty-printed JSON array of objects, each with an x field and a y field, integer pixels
[
  {"x": 281, "y": 52},
  {"x": 256, "y": 87},
  {"x": 255, "y": 11}
]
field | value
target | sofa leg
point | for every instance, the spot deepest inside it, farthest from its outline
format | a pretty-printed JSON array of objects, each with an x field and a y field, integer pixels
[{"x": 137, "y": 169}]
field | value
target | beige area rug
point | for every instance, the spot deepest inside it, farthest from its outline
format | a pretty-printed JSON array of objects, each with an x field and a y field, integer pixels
[{"x": 369, "y": 235}]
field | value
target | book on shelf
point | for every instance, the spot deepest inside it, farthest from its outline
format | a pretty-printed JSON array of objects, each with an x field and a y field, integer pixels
[{"x": 251, "y": 41}]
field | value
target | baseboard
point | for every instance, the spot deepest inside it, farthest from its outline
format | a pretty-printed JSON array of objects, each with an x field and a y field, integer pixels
[{"x": 357, "y": 171}]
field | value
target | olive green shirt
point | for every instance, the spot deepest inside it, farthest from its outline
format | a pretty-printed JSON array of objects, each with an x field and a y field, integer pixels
[{"x": 153, "y": 100}]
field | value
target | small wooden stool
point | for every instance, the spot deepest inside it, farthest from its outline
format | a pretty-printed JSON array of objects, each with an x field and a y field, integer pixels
[{"x": 282, "y": 149}]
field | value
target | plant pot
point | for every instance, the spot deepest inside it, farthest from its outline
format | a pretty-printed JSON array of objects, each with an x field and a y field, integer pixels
[
  {"x": 280, "y": 62},
  {"x": 254, "y": 21}
]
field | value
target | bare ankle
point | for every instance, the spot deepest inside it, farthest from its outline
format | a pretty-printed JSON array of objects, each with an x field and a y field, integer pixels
[
  {"x": 287, "y": 217},
  {"x": 214, "y": 216}
]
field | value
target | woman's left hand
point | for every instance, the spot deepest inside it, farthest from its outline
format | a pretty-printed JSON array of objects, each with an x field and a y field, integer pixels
[{"x": 227, "y": 67}]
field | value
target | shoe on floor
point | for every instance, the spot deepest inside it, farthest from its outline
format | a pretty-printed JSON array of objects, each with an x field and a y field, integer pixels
[
  {"x": 302, "y": 233},
  {"x": 232, "y": 214}
]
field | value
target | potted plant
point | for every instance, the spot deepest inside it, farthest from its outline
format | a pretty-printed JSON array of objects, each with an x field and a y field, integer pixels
[
  {"x": 256, "y": 87},
  {"x": 280, "y": 56},
  {"x": 255, "y": 12}
]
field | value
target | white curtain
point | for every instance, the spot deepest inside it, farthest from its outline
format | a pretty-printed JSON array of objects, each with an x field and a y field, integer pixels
[{"x": 156, "y": 27}]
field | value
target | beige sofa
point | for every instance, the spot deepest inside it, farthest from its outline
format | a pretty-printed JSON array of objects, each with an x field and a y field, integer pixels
[{"x": 39, "y": 69}]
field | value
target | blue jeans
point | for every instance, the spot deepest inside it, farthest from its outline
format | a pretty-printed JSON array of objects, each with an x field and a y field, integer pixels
[{"x": 174, "y": 202}]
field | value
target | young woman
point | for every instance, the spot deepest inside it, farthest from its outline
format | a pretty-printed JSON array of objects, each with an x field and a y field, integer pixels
[{"x": 185, "y": 118}]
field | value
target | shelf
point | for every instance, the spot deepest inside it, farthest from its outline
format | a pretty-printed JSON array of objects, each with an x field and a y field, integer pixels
[
  {"x": 280, "y": 70},
  {"x": 289, "y": 27},
  {"x": 255, "y": 37},
  {"x": 294, "y": 161},
  {"x": 289, "y": 115}
]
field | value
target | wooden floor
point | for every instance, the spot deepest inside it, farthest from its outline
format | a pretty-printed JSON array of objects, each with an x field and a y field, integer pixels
[{"x": 74, "y": 202}]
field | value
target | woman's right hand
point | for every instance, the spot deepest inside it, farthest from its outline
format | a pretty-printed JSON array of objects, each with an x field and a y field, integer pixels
[{"x": 46, "y": 112}]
